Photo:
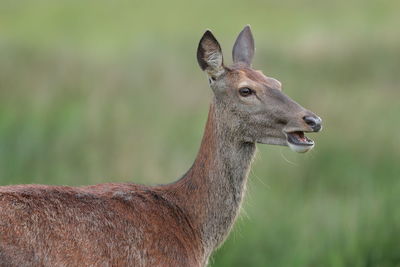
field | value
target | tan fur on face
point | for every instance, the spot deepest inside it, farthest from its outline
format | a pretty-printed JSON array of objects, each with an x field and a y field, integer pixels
[{"x": 255, "y": 78}]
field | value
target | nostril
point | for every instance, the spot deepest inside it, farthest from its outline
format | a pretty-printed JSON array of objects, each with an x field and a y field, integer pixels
[
  {"x": 310, "y": 120},
  {"x": 313, "y": 122}
]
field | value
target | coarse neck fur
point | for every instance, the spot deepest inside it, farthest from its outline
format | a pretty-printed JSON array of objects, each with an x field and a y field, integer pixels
[{"x": 212, "y": 190}]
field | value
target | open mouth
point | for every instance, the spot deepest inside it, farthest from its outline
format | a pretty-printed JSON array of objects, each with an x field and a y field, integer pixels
[{"x": 298, "y": 142}]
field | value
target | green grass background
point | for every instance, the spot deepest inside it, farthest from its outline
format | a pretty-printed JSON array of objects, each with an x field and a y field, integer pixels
[{"x": 101, "y": 91}]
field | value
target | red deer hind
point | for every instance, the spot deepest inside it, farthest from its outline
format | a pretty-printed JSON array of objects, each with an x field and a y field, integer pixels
[{"x": 178, "y": 224}]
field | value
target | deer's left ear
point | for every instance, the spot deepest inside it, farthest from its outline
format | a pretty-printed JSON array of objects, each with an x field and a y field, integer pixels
[{"x": 243, "y": 50}]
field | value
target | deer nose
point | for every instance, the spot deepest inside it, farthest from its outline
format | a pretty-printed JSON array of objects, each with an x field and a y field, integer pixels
[{"x": 314, "y": 122}]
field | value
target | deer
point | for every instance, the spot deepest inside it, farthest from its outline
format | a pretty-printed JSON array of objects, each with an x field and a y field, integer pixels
[{"x": 176, "y": 224}]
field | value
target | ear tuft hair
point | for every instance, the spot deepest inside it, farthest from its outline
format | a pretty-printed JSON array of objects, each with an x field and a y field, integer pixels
[{"x": 209, "y": 55}]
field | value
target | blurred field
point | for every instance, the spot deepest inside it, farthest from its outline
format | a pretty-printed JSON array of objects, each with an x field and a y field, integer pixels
[{"x": 100, "y": 91}]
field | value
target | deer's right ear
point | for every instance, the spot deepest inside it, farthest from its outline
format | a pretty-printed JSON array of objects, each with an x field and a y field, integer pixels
[{"x": 209, "y": 55}]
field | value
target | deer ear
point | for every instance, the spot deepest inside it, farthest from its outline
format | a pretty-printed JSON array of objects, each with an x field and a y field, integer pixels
[
  {"x": 243, "y": 50},
  {"x": 209, "y": 55}
]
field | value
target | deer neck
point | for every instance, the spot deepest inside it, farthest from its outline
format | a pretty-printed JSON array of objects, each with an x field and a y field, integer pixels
[{"x": 212, "y": 190}]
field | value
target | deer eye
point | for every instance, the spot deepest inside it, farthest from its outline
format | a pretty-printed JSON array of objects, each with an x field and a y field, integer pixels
[{"x": 245, "y": 91}]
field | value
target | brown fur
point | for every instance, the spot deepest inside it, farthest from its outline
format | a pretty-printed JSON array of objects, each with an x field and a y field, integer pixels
[{"x": 101, "y": 225}]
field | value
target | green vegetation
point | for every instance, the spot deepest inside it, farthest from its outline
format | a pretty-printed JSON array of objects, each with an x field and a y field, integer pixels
[{"x": 100, "y": 91}]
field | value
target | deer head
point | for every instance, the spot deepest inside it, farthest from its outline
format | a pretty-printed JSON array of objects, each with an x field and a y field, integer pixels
[{"x": 252, "y": 104}]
